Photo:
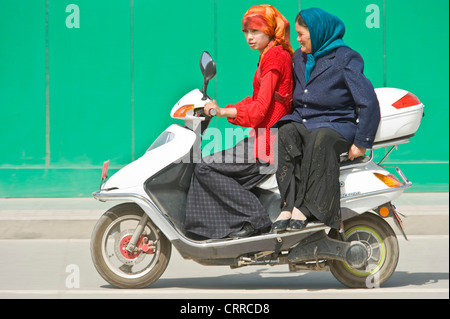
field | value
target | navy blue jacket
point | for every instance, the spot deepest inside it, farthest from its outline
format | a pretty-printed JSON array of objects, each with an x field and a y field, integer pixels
[{"x": 336, "y": 89}]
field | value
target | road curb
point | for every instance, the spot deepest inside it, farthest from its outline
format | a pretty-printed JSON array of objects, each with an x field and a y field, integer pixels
[{"x": 75, "y": 218}]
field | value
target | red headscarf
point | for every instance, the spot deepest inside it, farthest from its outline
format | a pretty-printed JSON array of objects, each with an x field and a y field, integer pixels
[{"x": 269, "y": 20}]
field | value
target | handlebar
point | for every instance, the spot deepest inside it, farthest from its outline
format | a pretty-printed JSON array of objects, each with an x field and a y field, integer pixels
[{"x": 201, "y": 112}]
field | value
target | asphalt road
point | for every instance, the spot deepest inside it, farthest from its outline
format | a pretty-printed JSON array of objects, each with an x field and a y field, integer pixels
[{"x": 62, "y": 268}]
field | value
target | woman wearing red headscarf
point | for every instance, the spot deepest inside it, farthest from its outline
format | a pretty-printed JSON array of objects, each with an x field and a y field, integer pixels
[{"x": 220, "y": 202}]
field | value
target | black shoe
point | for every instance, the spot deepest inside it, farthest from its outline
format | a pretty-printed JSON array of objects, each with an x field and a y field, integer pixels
[
  {"x": 279, "y": 226},
  {"x": 297, "y": 224},
  {"x": 246, "y": 231},
  {"x": 265, "y": 230}
]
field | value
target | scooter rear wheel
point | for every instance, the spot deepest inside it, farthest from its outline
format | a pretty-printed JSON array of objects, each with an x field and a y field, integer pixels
[
  {"x": 382, "y": 246},
  {"x": 120, "y": 267}
]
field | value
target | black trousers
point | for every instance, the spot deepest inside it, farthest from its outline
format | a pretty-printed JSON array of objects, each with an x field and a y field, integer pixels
[
  {"x": 220, "y": 200},
  {"x": 308, "y": 171}
]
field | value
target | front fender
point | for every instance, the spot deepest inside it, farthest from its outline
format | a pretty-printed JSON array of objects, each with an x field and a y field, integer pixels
[{"x": 147, "y": 206}]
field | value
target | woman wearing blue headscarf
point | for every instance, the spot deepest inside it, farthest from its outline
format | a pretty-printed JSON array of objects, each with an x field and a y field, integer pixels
[{"x": 335, "y": 111}]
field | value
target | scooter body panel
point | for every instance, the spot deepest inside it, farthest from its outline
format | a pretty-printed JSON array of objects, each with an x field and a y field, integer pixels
[
  {"x": 174, "y": 143},
  {"x": 362, "y": 191},
  {"x": 156, "y": 195},
  {"x": 209, "y": 249}
]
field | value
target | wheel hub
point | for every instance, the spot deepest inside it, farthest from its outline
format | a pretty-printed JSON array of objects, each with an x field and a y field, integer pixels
[
  {"x": 143, "y": 247},
  {"x": 123, "y": 248},
  {"x": 357, "y": 254}
]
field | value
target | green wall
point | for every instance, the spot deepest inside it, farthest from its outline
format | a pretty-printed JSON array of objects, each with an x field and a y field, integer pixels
[{"x": 83, "y": 81}]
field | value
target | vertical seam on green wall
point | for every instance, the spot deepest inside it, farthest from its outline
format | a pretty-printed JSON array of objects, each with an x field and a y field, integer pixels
[
  {"x": 216, "y": 55},
  {"x": 215, "y": 45},
  {"x": 47, "y": 90},
  {"x": 132, "y": 81},
  {"x": 384, "y": 45}
]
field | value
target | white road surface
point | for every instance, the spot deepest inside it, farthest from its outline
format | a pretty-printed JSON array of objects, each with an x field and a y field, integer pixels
[{"x": 63, "y": 269}]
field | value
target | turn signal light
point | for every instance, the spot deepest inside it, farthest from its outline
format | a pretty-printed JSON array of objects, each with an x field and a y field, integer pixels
[
  {"x": 406, "y": 101},
  {"x": 181, "y": 112},
  {"x": 390, "y": 180}
]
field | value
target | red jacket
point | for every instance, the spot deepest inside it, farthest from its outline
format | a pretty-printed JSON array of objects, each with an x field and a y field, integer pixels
[{"x": 271, "y": 100}]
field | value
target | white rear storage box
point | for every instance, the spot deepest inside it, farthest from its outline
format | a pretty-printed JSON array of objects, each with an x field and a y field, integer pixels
[{"x": 401, "y": 114}]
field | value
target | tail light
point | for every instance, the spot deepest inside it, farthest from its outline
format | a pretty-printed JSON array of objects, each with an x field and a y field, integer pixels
[
  {"x": 406, "y": 101},
  {"x": 390, "y": 180}
]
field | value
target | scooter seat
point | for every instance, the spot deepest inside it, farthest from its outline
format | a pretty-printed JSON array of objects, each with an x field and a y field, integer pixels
[{"x": 269, "y": 183}]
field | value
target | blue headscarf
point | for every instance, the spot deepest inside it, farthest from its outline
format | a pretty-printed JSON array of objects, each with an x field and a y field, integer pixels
[{"x": 326, "y": 32}]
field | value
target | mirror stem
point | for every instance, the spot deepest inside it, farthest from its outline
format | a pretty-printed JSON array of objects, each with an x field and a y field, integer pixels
[{"x": 205, "y": 85}]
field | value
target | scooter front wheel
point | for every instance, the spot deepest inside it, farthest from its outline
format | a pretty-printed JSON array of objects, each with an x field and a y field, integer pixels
[
  {"x": 383, "y": 252},
  {"x": 120, "y": 267}
]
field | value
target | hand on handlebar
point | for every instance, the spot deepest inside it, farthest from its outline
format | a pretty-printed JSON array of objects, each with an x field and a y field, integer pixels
[{"x": 212, "y": 109}]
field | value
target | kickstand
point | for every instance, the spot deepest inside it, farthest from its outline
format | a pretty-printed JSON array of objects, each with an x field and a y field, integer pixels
[{"x": 277, "y": 248}]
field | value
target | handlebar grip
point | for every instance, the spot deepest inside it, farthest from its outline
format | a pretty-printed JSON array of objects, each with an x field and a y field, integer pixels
[{"x": 213, "y": 112}]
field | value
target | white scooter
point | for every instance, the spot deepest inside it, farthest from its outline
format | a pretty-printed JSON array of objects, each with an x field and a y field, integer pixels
[{"x": 131, "y": 243}]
